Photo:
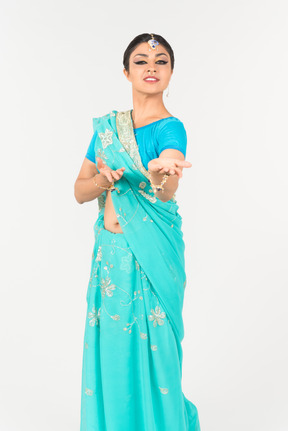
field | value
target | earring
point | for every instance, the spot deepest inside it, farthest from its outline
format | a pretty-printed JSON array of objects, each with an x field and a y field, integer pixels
[{"x": 167, "y": 94}]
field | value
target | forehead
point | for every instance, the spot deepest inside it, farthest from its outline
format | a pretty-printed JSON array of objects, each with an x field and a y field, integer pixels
[{"x": 143, "y": 48}]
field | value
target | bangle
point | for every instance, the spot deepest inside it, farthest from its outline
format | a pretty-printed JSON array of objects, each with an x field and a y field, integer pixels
[
  {"x": 160, "y": 186},
  {"x": 111, "y": 187}
]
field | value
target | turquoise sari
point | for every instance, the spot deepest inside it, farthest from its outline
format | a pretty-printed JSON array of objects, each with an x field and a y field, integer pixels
[{"x": 132, "y": 354}]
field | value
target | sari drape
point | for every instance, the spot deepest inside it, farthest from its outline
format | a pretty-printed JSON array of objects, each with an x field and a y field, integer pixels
[{"x": 146, "y": 265}]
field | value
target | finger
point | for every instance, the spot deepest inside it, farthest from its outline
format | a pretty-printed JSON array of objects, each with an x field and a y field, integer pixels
[
  {"x": 109, "y": 176},
  {"x": 164, "y": 169},
  {"x": 161, "y": 171},
  {"x": 178, "y": 172},
  {"x": 115, "y": 175},
  {"x": 183, "y": 163},
  {"x": 101, "y": 165}
]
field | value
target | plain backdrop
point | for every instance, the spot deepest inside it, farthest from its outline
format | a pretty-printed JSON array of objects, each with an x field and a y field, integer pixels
[{"x": 61, "y": 65}]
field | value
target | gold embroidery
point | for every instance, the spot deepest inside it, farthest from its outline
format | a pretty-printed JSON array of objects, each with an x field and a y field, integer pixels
[
  {"x": 106, "y": 287},
  {"x": 93, "y": 316},
  {"x": 127, "y": 138},
  {"x": 157, "y": 316},
  {"x": 148, "y": 197},
  {"x": 99, "y": 254}
]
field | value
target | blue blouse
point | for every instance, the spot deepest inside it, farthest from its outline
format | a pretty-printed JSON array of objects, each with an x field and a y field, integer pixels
[{"x": 153, "y": 138}]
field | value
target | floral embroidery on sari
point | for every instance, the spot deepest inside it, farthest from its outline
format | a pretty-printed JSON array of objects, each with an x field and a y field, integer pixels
[
  {"x": 157, "y": 316},
  {"x": 106, "y": 138},
  {"x": 94, "y": 316}
]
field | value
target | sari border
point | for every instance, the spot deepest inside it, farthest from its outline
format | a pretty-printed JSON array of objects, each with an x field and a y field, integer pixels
[{"x": 127, "y": 138}]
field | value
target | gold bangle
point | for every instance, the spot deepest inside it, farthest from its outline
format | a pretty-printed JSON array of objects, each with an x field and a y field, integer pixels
[
  {"x": 111, "y": 187},
  {"x": 159, "y": 186}
]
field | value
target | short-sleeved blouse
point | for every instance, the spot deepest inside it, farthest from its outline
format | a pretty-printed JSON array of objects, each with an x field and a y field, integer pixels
[{"x": 153, "y": 138}]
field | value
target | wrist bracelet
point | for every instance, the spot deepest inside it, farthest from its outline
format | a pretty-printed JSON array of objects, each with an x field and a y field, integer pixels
[
  {"x": 110, "y": 188},
  {"x": 160, "y": 186}
]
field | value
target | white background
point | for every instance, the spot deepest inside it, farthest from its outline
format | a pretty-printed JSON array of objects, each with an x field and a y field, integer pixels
[{"x": 61, "y": 65}]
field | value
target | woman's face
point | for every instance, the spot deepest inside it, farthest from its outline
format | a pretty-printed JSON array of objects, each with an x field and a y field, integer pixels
[{"x": 144, "y": 63}]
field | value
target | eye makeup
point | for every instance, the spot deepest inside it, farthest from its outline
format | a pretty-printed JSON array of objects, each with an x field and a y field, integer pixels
[{"x": 143, "y": 61}]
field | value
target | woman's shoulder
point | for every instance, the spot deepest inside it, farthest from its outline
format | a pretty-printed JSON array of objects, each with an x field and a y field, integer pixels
[{"x": 171, "y": 124}]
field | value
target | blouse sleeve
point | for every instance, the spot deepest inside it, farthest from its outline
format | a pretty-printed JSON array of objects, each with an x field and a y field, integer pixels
[
  {"x": 172, "y": 134},
  {"x": 90, "y": 154}
]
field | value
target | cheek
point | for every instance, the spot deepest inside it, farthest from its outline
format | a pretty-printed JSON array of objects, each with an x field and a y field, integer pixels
[
  {"x": 137, "y": 75},
  {"x": 166, "y": 75}
]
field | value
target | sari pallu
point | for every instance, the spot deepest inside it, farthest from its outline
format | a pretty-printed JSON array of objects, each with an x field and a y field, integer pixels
[{"x": 134, "y": 384}]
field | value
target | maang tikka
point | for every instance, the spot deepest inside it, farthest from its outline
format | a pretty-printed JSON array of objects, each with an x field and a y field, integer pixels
[{"x": 153, "y": 42}]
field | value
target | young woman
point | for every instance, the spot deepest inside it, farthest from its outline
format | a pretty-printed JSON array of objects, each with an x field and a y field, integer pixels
[{"x": 132, "y": 354}]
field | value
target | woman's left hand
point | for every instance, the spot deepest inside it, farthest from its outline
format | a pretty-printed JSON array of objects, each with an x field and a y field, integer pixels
[{"x": 168, "y": 165}]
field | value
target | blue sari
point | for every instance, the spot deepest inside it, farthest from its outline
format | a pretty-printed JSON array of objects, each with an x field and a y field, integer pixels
[{"x": 132, "y": 354}]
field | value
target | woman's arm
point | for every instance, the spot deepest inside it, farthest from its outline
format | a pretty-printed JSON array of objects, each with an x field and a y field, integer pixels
[
  {"x": 84, "y": 188},
  {"x": 171, "y": 184}
]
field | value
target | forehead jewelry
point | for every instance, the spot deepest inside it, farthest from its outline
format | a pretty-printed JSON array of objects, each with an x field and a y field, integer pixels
[{"x": 153, "y": 42}]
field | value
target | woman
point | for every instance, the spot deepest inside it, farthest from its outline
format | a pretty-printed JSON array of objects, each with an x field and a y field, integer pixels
[{"x": 132, "y": 355}]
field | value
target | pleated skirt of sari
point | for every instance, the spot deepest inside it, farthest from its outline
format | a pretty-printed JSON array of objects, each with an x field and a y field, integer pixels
[{"x": 131, "y": 375}]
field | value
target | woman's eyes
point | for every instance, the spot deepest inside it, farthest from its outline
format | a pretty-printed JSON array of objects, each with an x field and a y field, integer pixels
[{"x": 159, "y": 61}]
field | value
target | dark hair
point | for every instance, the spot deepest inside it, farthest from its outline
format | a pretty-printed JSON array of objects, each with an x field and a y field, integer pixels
[{"x": 144, "y": 37}]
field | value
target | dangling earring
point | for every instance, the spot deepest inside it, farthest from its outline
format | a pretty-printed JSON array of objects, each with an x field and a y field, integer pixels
[{"x": 167, "y": 94}]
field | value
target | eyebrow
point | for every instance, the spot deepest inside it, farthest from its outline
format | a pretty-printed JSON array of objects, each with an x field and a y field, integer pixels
[{"x": 157, "y": 55}]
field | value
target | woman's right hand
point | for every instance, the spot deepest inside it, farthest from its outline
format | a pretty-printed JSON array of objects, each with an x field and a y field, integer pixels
[{"x": 108, "y": 172}]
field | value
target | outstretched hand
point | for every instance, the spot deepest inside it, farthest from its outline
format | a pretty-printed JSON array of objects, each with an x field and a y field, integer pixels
[
  {"x": 108, "y": 172},
  {"x": 168, "y": 165}
]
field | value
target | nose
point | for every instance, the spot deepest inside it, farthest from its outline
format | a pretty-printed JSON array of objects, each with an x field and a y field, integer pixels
[{"x": 151, "y": 70}]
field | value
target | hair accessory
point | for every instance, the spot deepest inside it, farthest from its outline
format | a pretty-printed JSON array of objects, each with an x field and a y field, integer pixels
[{"x": 152, "y": 42}]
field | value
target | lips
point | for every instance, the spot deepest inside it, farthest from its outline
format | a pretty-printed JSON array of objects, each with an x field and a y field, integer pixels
[{"x": 151, "y": 79}]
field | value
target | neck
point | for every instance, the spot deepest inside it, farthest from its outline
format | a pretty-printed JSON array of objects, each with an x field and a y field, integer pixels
[{"x": 147, "y": 106}]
